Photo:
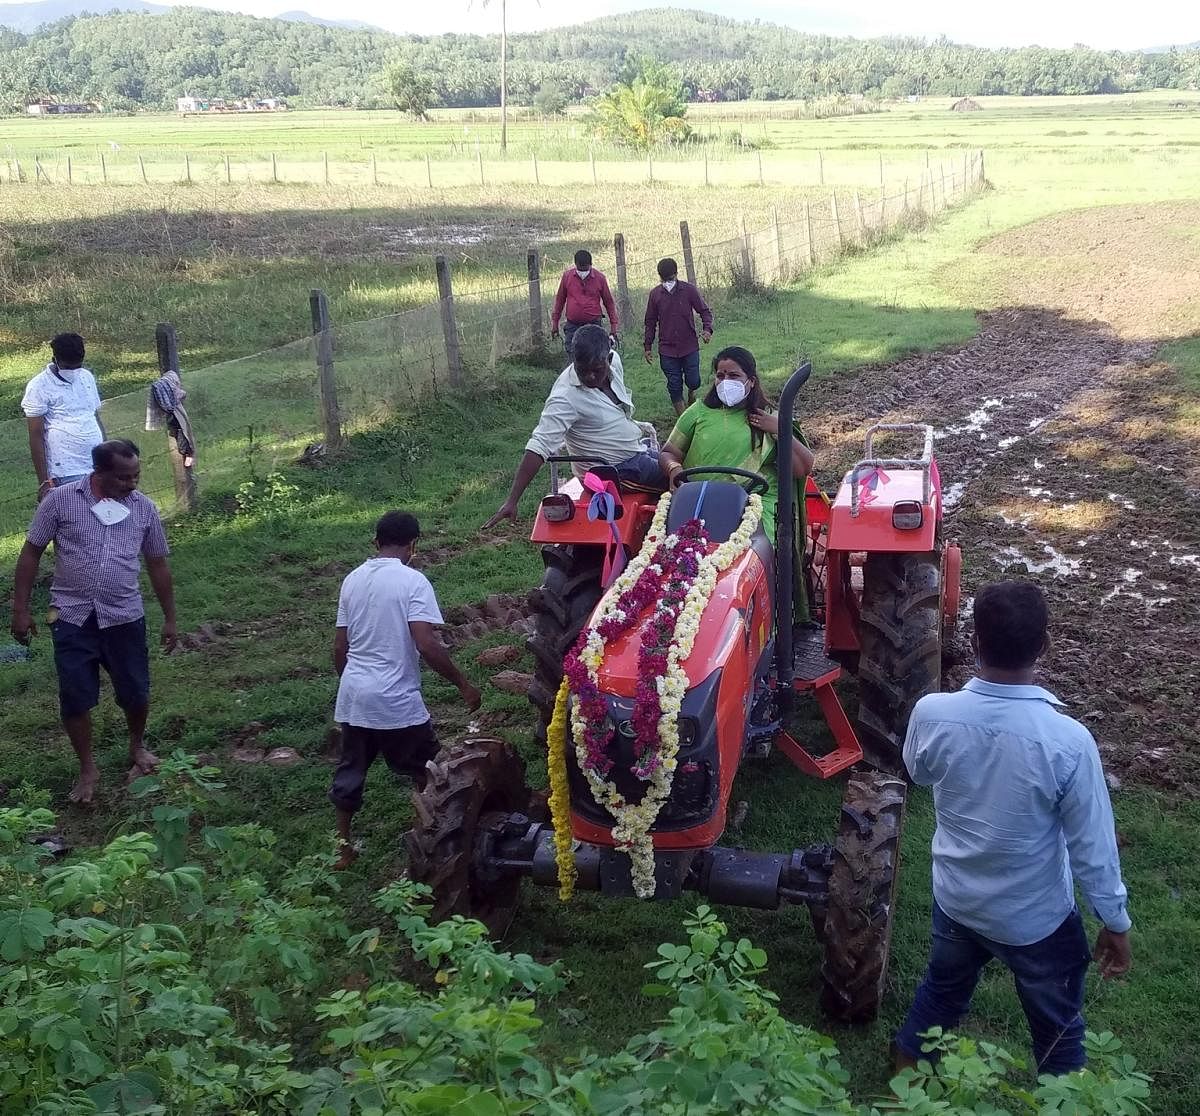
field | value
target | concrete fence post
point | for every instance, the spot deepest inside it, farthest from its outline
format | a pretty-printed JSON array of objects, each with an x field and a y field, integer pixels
[
  {"x": 534, "y": 266},
  {"x": 689, "y": 261},
  {"x": 449, "y": 324},
  {"x": 323, "y": 334}
]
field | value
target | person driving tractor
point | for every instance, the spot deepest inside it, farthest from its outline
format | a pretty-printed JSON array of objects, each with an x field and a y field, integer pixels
[
  {"x": 734, "y": 426},
  {"x": 589, "y": 408}
]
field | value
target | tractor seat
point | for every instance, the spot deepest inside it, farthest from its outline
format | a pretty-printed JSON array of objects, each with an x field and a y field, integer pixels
[{"x": 722, "y": 507}]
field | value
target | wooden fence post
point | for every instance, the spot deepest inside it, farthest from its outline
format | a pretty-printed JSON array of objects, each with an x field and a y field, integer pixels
[
  {"x": 905, "y": 209},
  {"x": 982, "y": 177},
  {"x": 881, "y": 181},
  {"x": 228, "y": 172},
  {"x": 536, "y": 180},
  {"x": 747, "y": 258},
  {"x": 624, "y": 304},
  {"x": 534, "y": 261},
  {"x": 811, "y": 252},
  {"x": 689, "y": 261},
  {"x": 820, "y": 168},
  {"x": 142, "y": 168},
  {"x": 858, "y": 219},
  {"x": 928, "y": 170},
  {"x": 187, "y": 167},
  {"x": 325, "y": 160},
  {"x": 185, "y": 475},
  {"x": 103, "y": 169},
  {"x": 428, "y": 170},
  {"x": 374, "y": 170},
  {"x": 760, "y": 170},
  {"x": 70, "y": 179},
  {"x": 837, "y": 221},
  {"x": 479, "y": 154},
  {"x": 942, "y": 168},
  {"x": 592, "y": 158},
  {"x": 449, "y": 325},
  {"x": 20, "y": 176},
  {"x": 650, "y": 166},
  {"x": 323, "y": 333},
  {"x": 964, "y": 175},
  {"x": 38, "y": 172},
  {"x": 778, "y": 244},
  {"x": 705, "y": 168}
]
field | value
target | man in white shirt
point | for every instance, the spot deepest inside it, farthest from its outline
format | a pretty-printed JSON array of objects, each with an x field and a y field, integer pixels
[
  {"x": 590, "y": 409},
  {"x": 62, "y": 410},
  {"x": 386, "y": 619}
]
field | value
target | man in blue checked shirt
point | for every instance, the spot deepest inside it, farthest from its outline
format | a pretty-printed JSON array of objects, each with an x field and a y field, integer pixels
[{"x": 1023, "y": 815}]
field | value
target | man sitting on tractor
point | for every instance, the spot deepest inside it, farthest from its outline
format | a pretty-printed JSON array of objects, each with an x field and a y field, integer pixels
[{"x": 589, "y": 408}]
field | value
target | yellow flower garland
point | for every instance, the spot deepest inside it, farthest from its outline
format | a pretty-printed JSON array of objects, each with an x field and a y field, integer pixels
[{"x": 560, "y": 794}]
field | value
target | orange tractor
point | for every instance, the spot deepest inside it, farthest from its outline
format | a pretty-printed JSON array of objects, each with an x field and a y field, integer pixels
[{"x": 479, "y": 831}]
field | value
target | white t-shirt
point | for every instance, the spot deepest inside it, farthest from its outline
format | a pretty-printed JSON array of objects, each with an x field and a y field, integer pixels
[
  {"x": 381, "y": 685},
  {"x": 68, "y": 402}
]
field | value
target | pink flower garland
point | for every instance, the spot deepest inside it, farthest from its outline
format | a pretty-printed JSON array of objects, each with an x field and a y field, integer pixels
[{"x": 667, "y": 581}]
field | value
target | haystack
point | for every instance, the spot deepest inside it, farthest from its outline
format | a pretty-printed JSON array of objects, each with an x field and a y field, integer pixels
[{"x": 966, "y": 105}]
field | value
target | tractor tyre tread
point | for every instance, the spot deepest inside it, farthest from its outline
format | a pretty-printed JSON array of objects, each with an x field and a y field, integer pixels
[
  {"x": 862, "y": 897},
  {"x": 462, "y": 782}
]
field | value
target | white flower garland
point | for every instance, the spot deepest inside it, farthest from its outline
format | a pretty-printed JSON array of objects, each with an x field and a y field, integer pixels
[{"x": 633, "y": 822}]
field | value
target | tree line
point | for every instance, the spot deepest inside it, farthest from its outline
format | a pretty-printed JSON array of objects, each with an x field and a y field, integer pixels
[{"x": 132, "y": 61}]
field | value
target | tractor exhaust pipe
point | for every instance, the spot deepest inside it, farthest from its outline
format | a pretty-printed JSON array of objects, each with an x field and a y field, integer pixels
[{"x": 785, "y": 538}]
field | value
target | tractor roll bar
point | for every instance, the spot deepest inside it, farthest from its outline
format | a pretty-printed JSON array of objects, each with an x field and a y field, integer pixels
[
  {"x": 872, "y": 462},
  {"x": 785, "y": 537}
]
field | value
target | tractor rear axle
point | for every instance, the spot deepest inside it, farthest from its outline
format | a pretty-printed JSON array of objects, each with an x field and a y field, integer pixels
[{"x": 508, "y": 843}]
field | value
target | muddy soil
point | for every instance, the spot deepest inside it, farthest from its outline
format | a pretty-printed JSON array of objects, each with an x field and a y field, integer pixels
[{"x": 1068, "y": 455}]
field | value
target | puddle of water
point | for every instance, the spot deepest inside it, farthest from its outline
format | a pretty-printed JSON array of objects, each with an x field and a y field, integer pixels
[
  {"x": 976, "y": 420},
  {"x": 1131, "y": 575},
  {"x": 1035, "y": 423},
  {"x": 1192, "y": 560},
  {"x": 1038, "y": 465},
  {"x": 1133, "y": 594},
  {"x": 1056, "y": 562},
  {"x": 1128, "y": 505},
  {"x": 1005, "y": 443},
  {"x": 953, "y": 495},
  {"x": 1037, "y": 492}
]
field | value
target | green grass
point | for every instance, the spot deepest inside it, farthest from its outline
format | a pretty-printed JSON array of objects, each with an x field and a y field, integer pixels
[{"x": 233, "y": 270}]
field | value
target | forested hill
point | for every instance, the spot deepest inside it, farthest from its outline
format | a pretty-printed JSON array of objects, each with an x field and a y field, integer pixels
[{"x": 137, "y": 60}]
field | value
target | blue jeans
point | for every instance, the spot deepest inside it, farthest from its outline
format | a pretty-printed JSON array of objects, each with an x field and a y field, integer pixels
[
  {"x": 642, "y": 469},
  {"x": 571, "y": 328},
  {"x": 681, "y": 370},
  {"x": 1049, "y": 975}
]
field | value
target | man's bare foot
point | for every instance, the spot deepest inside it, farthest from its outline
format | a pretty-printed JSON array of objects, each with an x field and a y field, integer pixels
[
  {"x": 84, "y": 790},
  {"x": 142, "y": 762},
  {"x": 347, "y": 855}
]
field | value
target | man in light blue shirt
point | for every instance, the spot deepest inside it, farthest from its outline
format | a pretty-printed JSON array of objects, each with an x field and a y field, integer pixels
[{"x": 1022, "y": 815}]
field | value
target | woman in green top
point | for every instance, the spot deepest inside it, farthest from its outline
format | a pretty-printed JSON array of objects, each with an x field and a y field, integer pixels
[{"x": 734, "y": 426}]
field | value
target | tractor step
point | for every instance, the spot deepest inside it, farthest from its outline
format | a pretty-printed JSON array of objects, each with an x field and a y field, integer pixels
[{"x": 812, "y": 666}]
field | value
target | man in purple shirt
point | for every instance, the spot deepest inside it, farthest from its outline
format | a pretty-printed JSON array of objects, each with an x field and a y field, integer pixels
[
  {"x": 101, "y": 527},
  {"x": 669, "y": 313}
]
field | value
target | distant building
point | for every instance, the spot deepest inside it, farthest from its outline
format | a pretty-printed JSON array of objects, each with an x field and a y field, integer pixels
[
  {"x": 187, "y": 106},
  {"x": 49, "y": 106}
]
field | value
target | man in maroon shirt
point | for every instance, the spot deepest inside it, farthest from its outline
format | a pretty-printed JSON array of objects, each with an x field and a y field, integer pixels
[
  {"x": 669, "y": 313},
  {"x": 582, "y": 291}
]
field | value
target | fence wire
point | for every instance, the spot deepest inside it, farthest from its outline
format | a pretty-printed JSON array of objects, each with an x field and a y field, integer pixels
[{"x": 257, "y": 412}]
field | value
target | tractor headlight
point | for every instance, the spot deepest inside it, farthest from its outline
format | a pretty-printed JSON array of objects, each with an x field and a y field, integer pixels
[
  {"x": 689, "y": 729},
  {"x": 908, "y": 515}
]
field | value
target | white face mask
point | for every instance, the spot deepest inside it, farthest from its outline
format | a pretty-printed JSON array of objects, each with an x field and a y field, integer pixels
[
  {"x": 68, "y": 374},
  {"x": 583, "y": 274},
  {"x": 731, "y": 392},
  {"x": 110, "y": 511},
  {"x": 669, "y": 284}
]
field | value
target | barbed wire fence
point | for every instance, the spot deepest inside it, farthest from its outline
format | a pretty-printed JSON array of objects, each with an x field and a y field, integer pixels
[{"x": 258, "y": 412}]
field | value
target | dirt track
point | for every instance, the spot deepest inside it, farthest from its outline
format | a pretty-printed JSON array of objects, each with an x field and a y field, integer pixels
[{"x": 1071, "y": 456}]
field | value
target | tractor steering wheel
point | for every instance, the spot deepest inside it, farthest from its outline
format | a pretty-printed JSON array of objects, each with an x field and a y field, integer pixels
[{"x": 759, "y": 485}]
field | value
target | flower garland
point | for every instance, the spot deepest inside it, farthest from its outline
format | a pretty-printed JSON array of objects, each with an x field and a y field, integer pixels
[
  {"x": 560, "y": 794},
  {"x": 678, "y": 573}
]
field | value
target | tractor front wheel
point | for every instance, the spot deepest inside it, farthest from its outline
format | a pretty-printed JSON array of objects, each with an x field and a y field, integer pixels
[
  {"x": 465, "y": 783},
  {"x": 862, "y": 897},
  {"x": 560, "y": 607},
  {"x": 900, "y": 660}
]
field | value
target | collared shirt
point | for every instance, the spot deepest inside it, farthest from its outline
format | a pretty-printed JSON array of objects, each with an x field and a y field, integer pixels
[
  {"x": 587, "y": 420},
  {"x": 67, "y": 402},
  {"x": 1021, "y": 805},
  {"x": 583, "y": 298},
  {"x": 96, "y": 565},
  {"x": 381, "y": 685},
  {"x": 670, "y": 313}
]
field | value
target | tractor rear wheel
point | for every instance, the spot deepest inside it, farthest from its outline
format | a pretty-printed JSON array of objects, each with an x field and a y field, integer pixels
[
  {"x": 862, "y": 897},
  {"x": 560, "y": 607},
  {"x": 900, "y": 660},
  {"x": 465, "y": 783}
]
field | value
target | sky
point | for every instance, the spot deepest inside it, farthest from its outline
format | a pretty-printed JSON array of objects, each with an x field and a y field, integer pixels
[{"x": 1057, "y": 23}]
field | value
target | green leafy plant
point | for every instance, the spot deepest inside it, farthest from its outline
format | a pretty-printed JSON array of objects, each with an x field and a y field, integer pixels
[{"x": 274, "y": 496}]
